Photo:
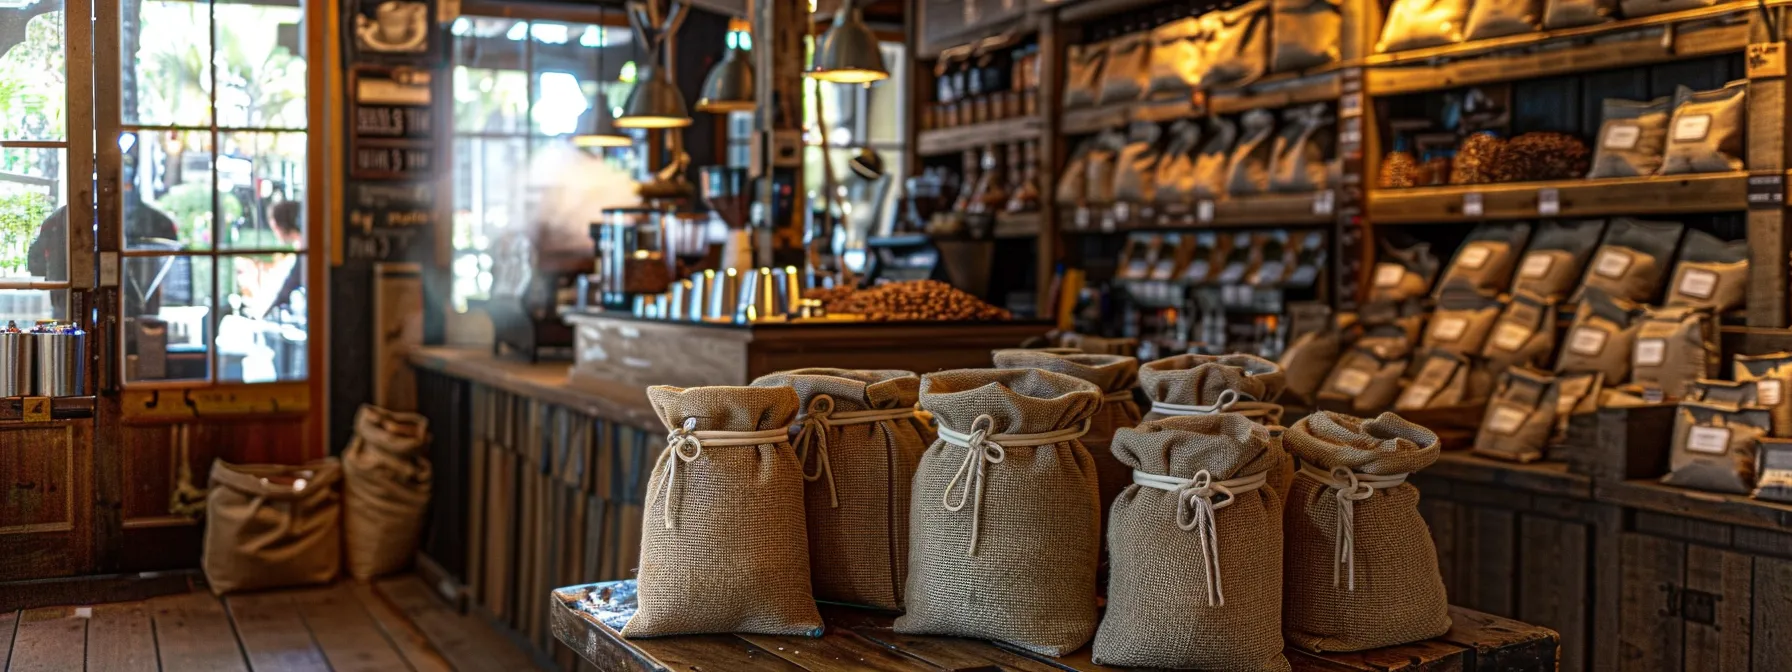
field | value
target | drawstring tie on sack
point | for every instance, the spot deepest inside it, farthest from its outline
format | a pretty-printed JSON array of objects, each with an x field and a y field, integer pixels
[
  {"x": 686, "y": 443},
  {"x": 983, "y": 447},
  {"x": 814, "y": 434},
  {"x": 1352, "y": 487},
  {"x": 1194, "y": 513},
  {"x": 1229, "y": 401}
]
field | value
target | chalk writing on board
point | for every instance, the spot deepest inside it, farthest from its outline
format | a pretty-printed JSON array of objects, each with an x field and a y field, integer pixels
[
  {"x": 377, "y": 244},
  {"x": 392, "y": 161}
]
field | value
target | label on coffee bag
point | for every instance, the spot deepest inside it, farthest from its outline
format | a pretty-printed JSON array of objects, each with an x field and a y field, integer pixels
[
  {"x": 1511, "y": 337},
  {"x": 1416, "y": 396},
  {"x": 1474, "y": 257},
  {"x": 1769, "y": 392},
  {"x": 1389, "y": 275},
  {"x": 1651, "y": 351},
  {"x": 1692, "y": 128},
  {"x": 1697, "y": 283},
  {"x": 1587, "y": 341},
  {"x": 1536, "y": 265},
  {"x": 1505, "y": 419},
  {"x": 1612, "y": 263},
  {"x": 1622, "y": 136},
  {"x": 1449, "y": 328},
  {"x": 1714, "y": 440},
  {"x": 1352, "y": 381}
]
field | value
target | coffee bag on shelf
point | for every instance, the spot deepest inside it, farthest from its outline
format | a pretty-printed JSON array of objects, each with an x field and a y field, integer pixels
[
  {"x": 1499, "y": 18},
  {"x": 1441, "y": 382},
  {"x": 1174, "y": 600},
  {"x": 1403, "y": 272},
  {"x": 1715, "y": 445},
  {"x": 1135, "y": 173},
  {"x": 1415, "y": 24},
  {"x": 858, "y": 441},
  {"x": 1082, "y": 78},
  {"x": 1213, "y": 158},
  {"x": 1004, "y": 525},
  {"x": 1237, "y": 47},
  {"x": 1674, "y": 347},
  {"x": 1073, "y": 184},
  {"x": 1128, "y": 68},
  {"x": 724, "y": 544},
  {"x": 1705, "y": 135},
  {"x": 1771, "y": 374},
  {"x": 1100, "y": 167},
  {"x": 1577, "y": 393},
  {"x": 1710, "y": 273},
  {"x": 1305, "y": 34},
  {"x": 1462, "y": 322},
  {"x": 1633, "y": 134},
  {"x": 1632, "y": 260},
  {"x": 1553, "y": 264},
  {"x": 1299, "y": 160},
  {"x": 1521, "y": 416},
  {"x": 1247, "y": 171},
  {"x": 1365, "y": 381},
  {"x": 1524, "y": 335},
  {"x": 1486, "y": 260},
  {"x": 1307, "y": 361},
  {"x": 1601, "y": 337},
  {"x": 1361, "y": 571},
  {"x": 1178, "y": 58},
  {"x": 1640, "y": 8},
  {"x": 1575, "y": 13},
  {"x": 1175, "y": 178},
  {"x": 1117, "y": 376},
  {"x": 1774, "y": 483}
]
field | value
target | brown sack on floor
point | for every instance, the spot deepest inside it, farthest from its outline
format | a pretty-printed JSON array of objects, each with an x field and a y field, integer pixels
[
  {"x": 1117, "y": 376},
  {"x": 1196, "y": 543},
  {"x": 385, "y": 491},
  {"x": 1360, "y": 567},
  {"x": 1004, "y": 526},
  {"x": 858, "y": 440},
  {"x": 272, "y": 526},
  {"x": 723, "y": 541}
]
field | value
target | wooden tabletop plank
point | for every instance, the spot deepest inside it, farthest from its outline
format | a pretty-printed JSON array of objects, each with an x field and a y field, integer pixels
[
  {"x": 837, "y": 650},
  {"x": 193, "y": 633},
  {"x": 956, "y": 653},
  {"x": 119, "y": 638},
  {"x": 410, "y": 642},
  {"x": 273, "y": 633},
  {"x": 51, "y": 639}
]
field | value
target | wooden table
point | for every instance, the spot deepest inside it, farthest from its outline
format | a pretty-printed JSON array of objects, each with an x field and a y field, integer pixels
[{"x": 589, "y": 619}]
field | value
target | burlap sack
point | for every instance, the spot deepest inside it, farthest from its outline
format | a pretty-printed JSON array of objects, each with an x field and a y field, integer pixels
[
  {"x": 1674, "y": 347},
  {"x": 858, "y": 440},
  {"x": 1462, "y": 322},
  {"x": 1601, "y": 337},
  {"x": 1117, "y": 376},
  {"x": 272, "y": 526},
  {"x": 1405, "y": 272},
  {"x": 1099, "y": 168},
  {"x": 1004, "y": 537},
  {"x": 1772, "y": 377},
  {"x": 1486, "y": 260},
  {"x": 1298, "y": 160},
  {"x": 1196, "y": 543},
  {"x": 1632, "y": 261},
  {"x": 1521, "y": 416},
  {"x": 1082, "y": 78},
  {"x": 1175, "y": 178},
  {"x": 1559, "y": 251},
  {"x": 1073, "y": 183},
  {"x": 1360, "y": 567},
  {"x": 1499, "y": 18},
  {"x": 1366, "y": 380},
  {"x": 1715, "y": 445},
  {"x": 1177, "y": 57},
  {"x": 1135, "y": 171},
  {"x": 1524, "y": 335},
  {"x": 1632, "y": 136},
  {"x": 385, "y": 491},
  {"x": 1207, "y": 384},
  {"x": 723, "y": 543},
  {"x": 1128, "y": 68},
  {"x": 1213, "y": 158},
  {"x": 1572, "y": 13},
  {"x": 1236, "y": 50}
]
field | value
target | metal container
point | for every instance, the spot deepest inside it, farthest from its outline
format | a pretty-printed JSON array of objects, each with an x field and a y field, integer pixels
[
  {"x": 699, "y": 299},
  {"x": 17, "y": 356},
  {"x": 678, "y": 301},
  {"x": 724, "y": 296},
  {"x": 59, "y": 372},
  {"x": 790, "y": 290}
]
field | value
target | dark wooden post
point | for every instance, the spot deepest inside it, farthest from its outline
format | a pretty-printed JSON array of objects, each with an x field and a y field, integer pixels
[{"x": 1768, "y": 152}]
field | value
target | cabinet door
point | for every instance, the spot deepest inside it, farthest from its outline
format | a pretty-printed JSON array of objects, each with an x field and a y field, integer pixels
[{"x": 45, "y": 499}]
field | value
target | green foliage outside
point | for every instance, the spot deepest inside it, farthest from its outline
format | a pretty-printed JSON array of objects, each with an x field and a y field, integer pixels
[{"x": 20, "y": 215}]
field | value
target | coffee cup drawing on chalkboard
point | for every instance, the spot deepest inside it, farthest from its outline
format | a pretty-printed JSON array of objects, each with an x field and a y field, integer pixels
[{"x": 395, "y": 27}]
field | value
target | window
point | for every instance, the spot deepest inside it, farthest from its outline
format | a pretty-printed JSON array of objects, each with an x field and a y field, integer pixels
[
  {"x": 859, "y": 119},
  {"x": 34, "y": 167},
  {"x": 214, "y": 159}
]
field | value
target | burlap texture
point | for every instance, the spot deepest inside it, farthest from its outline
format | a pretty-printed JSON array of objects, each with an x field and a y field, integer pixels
[
  {"x": 1031, "y": 580},
  {"x": 264, "y": 529},
  {"x": 385, "y": 491},
  {"x": 1198, "y": 380},
  {"x": 859, "y": 549},
  {"x": 737, "y": 558},
  {"x": 1158, "y": 612},
  {"x": 1113, "y": 374},
  {"x": 1399, "y": 594}
]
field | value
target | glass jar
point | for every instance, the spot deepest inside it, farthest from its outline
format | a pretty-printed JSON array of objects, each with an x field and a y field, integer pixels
[{"x": 632, "y": 254}]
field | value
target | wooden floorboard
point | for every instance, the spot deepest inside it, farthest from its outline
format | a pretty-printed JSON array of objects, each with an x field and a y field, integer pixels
[
  {"x": 468, "y": 644},
  {"x": 273, "y": 633},
  {"x": 348, "y": 635},
  {"x": 51, "y": 639},
  {"x": 411, "y": 642},
  {"x": 120, "y": 639},
  {"x": 194, "y": 633},
  {"x": 9, "y": 623}
]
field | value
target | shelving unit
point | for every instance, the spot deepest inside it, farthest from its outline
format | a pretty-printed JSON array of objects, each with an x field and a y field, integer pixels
[
  {"x": 1282, "y": 210},
  {"x": 1710, "y": 192},
  {"x": 944, "y": 141}
]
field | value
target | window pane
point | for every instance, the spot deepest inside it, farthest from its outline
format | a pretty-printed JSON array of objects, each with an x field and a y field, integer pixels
[
  {"x": 491, "y": 80},
  {"x": 33, "y": 226},
  {"x": 168, "y": 191},
  {"x": 167, "y": 317},
  {"x": 261, "y": 66},
  {"x": 261, "y": 184},
  {"x": 167, "y": 74},
  {"x": 884, "y": 117},
  {"x": 261, "y": 336},
  {"x": 32, "y": 72},
  {"x": 490, "y": 190}
]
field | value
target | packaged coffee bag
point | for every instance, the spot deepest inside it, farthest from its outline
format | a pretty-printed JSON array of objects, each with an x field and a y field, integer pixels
[
  {"x": 1632, "y": 136},
  {"x": 1499, "y": 18},
  {"x": 1710, "y": 273},
  {"x": 1705, "y": 135},
  {"x": 1307, "y": 361},
  {"x": 1442, "y": 382},
  {"x": 1674, "y": 347},
  {"x": 1715, "y": 445},
  {"x": 1404, "y": 271},
  {"x": 1128, "y": 68},
  {"x": 1355, "y": 544},
  {"x": 1524, "y": 335},
  {"x": 858, "y": 441},
  {"x": 724, "y": 544},
  {"x": 1100, "y": 166},
  {"x": 1174, "y": 599},
  {"x": 1601, "y": 337},
  {"x": 1247, "y": 171},
  {"x": 1640, "y": 8},
  {"x": 1214, "y": 157},
  {"x": 1299, "y": 160},
  {"x": 1485, "y": 262},
  {"x": 1415, "y": 24},
  {"x": 1521, "y": 416},
  {"x": 1775, "y": 482},
  {"x": 1175, "y": 177},
  {"x": 1772, "y": 376},
  {"x": 1462, "y": 322},
  {"x": 1237, "y": 47},
  {"x": 1073, "y": 184},
  {"x": 1576, "y": 394},
  {"x": 1135, "y": 173},
  {"x": 1305, "y": 34},
  {"x": 1632, "y": 261},
  {"x": 1574, "y": 13},
  {"x": 1117, "y": 376},
  {"x": 1082, "y": 77},
  {"x": 1558, "y": 254},
  {"x": 1004, "y": 526},
  {"x": 1365, "y": 381},
  {"x": 1178, "y": 61}
]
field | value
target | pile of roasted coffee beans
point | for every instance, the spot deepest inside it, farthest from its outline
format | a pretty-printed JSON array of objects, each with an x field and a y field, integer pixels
[{"x": 924, "y": 300}]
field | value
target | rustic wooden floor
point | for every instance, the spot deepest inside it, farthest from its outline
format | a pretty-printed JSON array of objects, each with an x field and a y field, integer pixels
[{"x": 393, "y": 624}]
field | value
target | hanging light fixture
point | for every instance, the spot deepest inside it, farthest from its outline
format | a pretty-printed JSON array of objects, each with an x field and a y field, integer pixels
[
  {"x": 847, "y": 53},
  {"x": 655, "y": 101},
  {"x": 729, "y": 86},
  {"x": 602, "y": 131}
]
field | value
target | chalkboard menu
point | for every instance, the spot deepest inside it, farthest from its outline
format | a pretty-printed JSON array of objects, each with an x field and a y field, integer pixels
[{"x": 393, "y": 132}]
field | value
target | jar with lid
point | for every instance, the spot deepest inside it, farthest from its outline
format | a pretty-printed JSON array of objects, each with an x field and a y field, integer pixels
[{"x": 632, "y": 254}]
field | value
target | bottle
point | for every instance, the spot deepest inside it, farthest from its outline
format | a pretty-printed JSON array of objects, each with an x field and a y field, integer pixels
[
  {"x": 990, "y": 193},
  {"x": 967, "y": 181},
  {"x": 1024, "y": 197}
]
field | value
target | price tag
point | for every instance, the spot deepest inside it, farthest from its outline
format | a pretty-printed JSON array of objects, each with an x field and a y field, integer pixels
[
  {"x": 1471, "y": 205},
  {"x": 1123, "y": 211},
  {"x": 1081, "y": 218},
  {"x": 1351, "y": 381},
  {"x": 1204, "y": 212},
  {"x": 1505, "y": 419},
  {"x": 1549, "y": 202},
  {"x": 1107, "y": 222},
  {"x": 1323, "y": 202},
  {"x": 36, "y": 409},
  {"x": 1351, "y": 105}
]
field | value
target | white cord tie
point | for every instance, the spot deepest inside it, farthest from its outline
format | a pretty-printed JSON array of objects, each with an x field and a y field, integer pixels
[
  {"x": 1352, "y": 487},
  {"x": 1229, "y": 401},
  {"x": 1194, "y": 513},
  {"x": 985, "y": 448},
  {"x": 685, "y": 444},
  {"x": 814, "y": 431}
]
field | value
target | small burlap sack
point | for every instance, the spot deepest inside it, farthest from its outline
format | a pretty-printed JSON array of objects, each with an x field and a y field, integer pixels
[
  {"x": 1128, "y": 69},
  {"x": 1196, "y": 543},
  {"x": 385, "y": 490},
  {"x": 723, "y": 544},
  {"x": 1772, "y": 377},
  {"x": 1715, "y": 445},
  {"x": 1706, "y": 134},
  {"x": 1415, "y": 24},
  {"x": 858, "y": 440},
  {"x": 1360, "y": 567},
  {"x": 1303, "y": 33},
  {"x": 1366, "y": 379},
  {"x": 1177, "y": 63},
  {"x": 1524, "y": 335},
  {"x": 272, "y": 526},
  {"x": 1117, "y": 376},
  {"x": 1207, "y": 384},
  {"x": 1462, "y": 322},
  {"x": 1004, "y": 526}
]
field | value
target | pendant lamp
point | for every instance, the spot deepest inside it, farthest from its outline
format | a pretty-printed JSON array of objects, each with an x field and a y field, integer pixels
[
  {"x": 602, "y": 131},
  {"x": 729, "y": 86},
  {"x": 655, "y": 101},
  {"x": 847, "y": 53}
]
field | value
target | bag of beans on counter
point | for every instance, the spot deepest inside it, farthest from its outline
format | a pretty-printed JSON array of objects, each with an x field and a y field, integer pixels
[
  {"x": 1298, "y": 162},
  {"x": 1442, "y": 382},
  {"x": 1247, "y": 171},
  {"x": 1478, "y": 159},
  {"x": 724, "y": 542},
  {"x": 1215, "y": 155},
  {"x": 1632, "y": 261},
  {"x": 1415, "y": 24},
  {"x": 1304, "y": 33},
  {"x": 1307, "y": 361},
  {"x": 1117, "y": 376},
  {"x": 272, "y": 526},
  {"x": 1674, "y": 347},
  {"x": 1177, "y": 57},
  {"x": 1705, "y": 135},
  {"x": 858, "y": 441},
  {"x": 1462, "y": 322},
  {"x": 1135, "y": 172},
  {"x": 1237, "y": 48},
  {"x": 1206, "y": 384},
  {"x": 1524, "y": 335},
  {"x": 1365, "y": 381},
  {"x": 1199, "y": 485},
  {"x": 1486, "y": 260},
  {"x": 1640, "y": 8},
  {"x": 1128, "y": 68},
  {"x": 1715, "y": 445},
  {"x": 1499, "y": 18},
  {"x": 1004, "y": 526},
  {"x": 385, "y": 491},
  {"x": 1360, "y": 570},
  {"x": 1710, "y": 273},
  {"x": 1601, "y": 337},
  {"x": 1575, "y": 13},
  {"x": 1404, "y": 272},
  {"x": 1771, "y": 375},
  {"x": 1632, "y": 136},
  {"x": 1521, "y": 416},
  {"x": 1175, "y": 177},
  {"x": 1100, "y": 167},
  {"x": 1073, "y": 184},
  {"x": 1082, "y": 78},
  {"x": 1558, "y": 255}
]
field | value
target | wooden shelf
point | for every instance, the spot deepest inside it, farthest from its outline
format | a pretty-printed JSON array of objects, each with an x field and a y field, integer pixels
[
  {"x": 1545, "y": 477},
  {"x": 1710, "y": 506},
  {"x": 941, "y": 141},
  {"x": 1085, "y": 120},
  {"x": 1715, "y": 192},
  {"x": 1017, "y": 225},
  {"x": 1260, "y": 211},
  {"x": 61, "y": 408},
  {"x": 1626, "y": 43}
]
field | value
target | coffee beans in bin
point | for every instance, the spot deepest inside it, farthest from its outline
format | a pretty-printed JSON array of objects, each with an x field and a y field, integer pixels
[{"x": 930, "y": 300}]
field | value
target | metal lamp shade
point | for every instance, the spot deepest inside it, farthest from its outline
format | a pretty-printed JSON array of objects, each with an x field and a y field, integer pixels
[
  {"x": 654, "y": 103},
  {"x": 848, "y": 52},
  {"x": 729, "y": 86},
  {"x": 603, "y": 131}
]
